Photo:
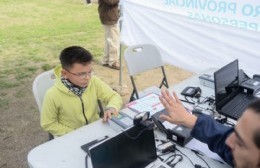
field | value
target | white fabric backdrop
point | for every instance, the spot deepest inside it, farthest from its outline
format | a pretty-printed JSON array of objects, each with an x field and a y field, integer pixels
[{"x": 186, "y": 41}]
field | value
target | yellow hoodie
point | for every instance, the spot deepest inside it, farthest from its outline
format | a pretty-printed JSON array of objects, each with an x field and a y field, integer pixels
[{"x": 62, "y": 110}]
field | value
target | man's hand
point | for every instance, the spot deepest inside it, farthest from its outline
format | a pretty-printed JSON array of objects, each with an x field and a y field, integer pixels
[
  {"x": 108, "y": 113},
  {"x": 177, "y": 113}
]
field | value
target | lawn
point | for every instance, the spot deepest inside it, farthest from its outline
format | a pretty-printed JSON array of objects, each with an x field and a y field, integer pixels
[{"x": 32, "y": 33}]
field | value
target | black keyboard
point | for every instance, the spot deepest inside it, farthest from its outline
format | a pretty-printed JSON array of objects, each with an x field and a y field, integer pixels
[{"x": 235, "y": 108}]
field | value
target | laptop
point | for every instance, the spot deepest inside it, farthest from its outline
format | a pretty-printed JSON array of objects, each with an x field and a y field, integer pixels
[
  {"x": 231, "y": 101},
  {"x": 134, "y": 147}
]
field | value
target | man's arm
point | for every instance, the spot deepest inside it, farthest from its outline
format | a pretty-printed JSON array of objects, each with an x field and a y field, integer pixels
[
  {"x": 49, "y": 117},
  {"x": 214, "y": 134}
]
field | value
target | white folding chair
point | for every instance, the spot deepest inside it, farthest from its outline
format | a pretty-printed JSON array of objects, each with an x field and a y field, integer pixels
[
  {"x": 141, "y": 58},
  {"x": 40, "y": 85}
]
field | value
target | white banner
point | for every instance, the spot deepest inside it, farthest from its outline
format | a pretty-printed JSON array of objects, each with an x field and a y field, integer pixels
[{"x": 196, "y": 34}]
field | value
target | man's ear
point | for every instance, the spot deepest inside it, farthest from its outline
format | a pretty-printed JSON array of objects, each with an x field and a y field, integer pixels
[{"x": 64, "y": 73}]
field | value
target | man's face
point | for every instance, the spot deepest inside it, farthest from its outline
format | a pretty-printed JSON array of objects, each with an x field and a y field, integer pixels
[
  {"x": 78, "y": 74},
  {"x": 245, "y": 152}
]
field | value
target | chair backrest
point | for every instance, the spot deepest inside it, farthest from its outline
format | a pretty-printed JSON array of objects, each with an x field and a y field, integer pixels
[
  {"x": 140, "y": 58},
  {"x": 41, "y": 84}
]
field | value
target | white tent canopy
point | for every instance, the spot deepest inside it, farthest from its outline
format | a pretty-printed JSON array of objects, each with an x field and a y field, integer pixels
[{"x": 196, "y": 34}]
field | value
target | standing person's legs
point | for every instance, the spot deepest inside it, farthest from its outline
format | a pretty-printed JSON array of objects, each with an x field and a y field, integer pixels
[
  {"x": 111, "y": 48},
  {"x": 105, "y": 58}
]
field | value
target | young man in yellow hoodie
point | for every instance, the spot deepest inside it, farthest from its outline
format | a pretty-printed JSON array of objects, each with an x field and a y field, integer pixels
[{"x": 72, "y": 102}]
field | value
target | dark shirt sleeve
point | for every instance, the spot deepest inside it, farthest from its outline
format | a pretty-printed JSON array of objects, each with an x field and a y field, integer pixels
[{"x": 214, "y": 134}]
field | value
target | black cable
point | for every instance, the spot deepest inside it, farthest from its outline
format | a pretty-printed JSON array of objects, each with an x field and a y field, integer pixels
[
  {"x": 160, "y": 158},
  {"x": 192, "y": 101},
  {"x": 206, "y": 109},
  {"x": 137, "y": 136},
  {"x": 164, "y": 153},
  {"x": 187, "y": 101},
  {"x": 179, "y": 160},
  {"x": 162, "y": 142},
  {"x": 185, "y": 156},
  {"x": 211, "y": 100},
  {"x": 203, "y": 160},
  {"x": 198, "y": 155},
  {"x": 170, "y": 161},
  {"x": 212, "y": 110},
  {"x": 202, "y": 97},
  {"x": 174, "y": 156},
  {"x": 170, "y": 157},
  {"x": 198, "y": 100},
  {"x": 205, "y": 100}
]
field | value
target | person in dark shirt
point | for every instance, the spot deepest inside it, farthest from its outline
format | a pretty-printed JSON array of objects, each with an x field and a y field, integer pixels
[{"x": 238, "y": 146}]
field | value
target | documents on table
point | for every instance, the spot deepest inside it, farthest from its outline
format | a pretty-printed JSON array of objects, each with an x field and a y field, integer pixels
[{"x": 150, "y": 103}]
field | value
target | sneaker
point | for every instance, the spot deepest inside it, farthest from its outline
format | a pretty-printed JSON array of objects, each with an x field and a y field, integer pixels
[{"x": 115, "y": 66}]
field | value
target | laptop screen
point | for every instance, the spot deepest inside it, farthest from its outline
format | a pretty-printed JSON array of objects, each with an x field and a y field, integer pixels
[
  {"x": 133, "y": 148},
  {"x": 226, "y": 84}
]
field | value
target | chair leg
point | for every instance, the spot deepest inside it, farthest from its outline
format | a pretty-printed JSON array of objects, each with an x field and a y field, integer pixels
[
  {"x": 134, "y": 93},
  {"x": 164, "y": 80},
  {"x": 132, "y": 97},
  {"x": 165, "y": 83}
]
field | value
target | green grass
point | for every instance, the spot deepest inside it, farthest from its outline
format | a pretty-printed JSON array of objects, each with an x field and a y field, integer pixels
[
  {"x": 36, "y": 31},
  {"x": 32, "y": 34},
  {"x": 4, "y": 103}
]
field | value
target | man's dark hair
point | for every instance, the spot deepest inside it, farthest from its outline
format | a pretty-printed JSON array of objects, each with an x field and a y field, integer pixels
[
  {"x": 74, "y": 54},
  {"x": 255, "y": 107}
]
